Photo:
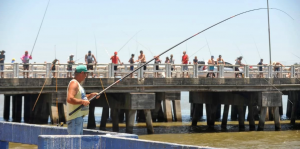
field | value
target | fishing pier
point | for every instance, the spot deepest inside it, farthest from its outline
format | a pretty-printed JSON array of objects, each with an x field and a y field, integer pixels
[{"x": 145, "y": 98}]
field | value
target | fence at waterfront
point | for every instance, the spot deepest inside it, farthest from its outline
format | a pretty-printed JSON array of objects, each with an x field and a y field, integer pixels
[{"x": 15, "y": 70}]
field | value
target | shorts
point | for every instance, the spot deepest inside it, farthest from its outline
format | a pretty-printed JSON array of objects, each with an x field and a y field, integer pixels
[
  {"x": 172, "y": 69},
  {"x": 75, "y": 126},
  {"x": 145, "y": 67},
  {"x": 1, "y": 66},
  {"x": 131, "y": 68},
  {"x": 25, "y": 66},
  {"x": 157, "y": 67},
  {"x": 211, "y": 68},
  {"x": 69, "y": 68},
  {"x": 89, "y": 67},
  {"x": 115, "y": 68},
  {"x": 277, "y": 69},
  {"x": 260, "y": 68},
  {"x": 236, "y": 69},
  {"x": 185, "y": 67},
  {"x": 53, "y": 68}
]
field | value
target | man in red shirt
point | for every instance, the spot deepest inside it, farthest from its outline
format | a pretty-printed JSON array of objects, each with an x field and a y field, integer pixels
[
  {"x": 115, "y": 60},
  {"x": 185, "y": 59}
]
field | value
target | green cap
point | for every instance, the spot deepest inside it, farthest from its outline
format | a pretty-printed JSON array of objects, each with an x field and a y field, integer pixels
[{"x": 81, "y": 68}]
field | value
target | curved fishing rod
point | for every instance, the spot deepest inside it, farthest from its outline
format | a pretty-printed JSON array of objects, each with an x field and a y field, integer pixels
[
  {"x": 96, "y": 47},
  {"x": 198, "y": 50},
  {"x": 128, "y": 41},
  {"x": 164, "y": 53},
  {"x": 256, "y": 48},
  {"x": 208, "y": 47},
  {"x": 40, "y": 28},
  {"x": 242, "y": 54}
]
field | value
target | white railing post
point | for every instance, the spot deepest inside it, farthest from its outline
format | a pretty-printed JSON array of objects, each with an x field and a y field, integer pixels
[
  {"x": 292, "y": 71},
  {"x": 270, "y": 71},
  {"x": 196, "y": 71},
  {"x": 246, "y": 71},
  {"x": 141, "y": 71},
  {"x": 221, "y": 71},
  {"x": 110, "y": 70},
  {"x": 167, "y": 69},
  {"x": 48, "y": 71},
  {"x": 16, "y": 70}
]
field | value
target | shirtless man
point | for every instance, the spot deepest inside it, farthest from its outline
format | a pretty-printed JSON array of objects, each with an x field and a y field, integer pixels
[
  {"x": 220, "y": 61},
  {"x": 276, "y": 66},
  {"x": 142, "y": 59},
  {"x": 211, "y": 61},
  {"x": 89, "y": 60}
]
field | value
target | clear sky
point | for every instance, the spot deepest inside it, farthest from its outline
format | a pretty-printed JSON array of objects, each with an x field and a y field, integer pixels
[{"x": 162, "y": 24}]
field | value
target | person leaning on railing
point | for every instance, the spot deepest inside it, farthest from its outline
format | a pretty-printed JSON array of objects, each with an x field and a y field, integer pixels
[
  {"x": 53, "y": 67},
  {"x": 69, "y": 67},
  {"x": 220, "y": 61},
  {"x": 261, "y": 74},
  {"x": 276, "y": 66},
  {"x": 2, "y": 58},
  {"x": 25, "y": 60},
  {"x": 238, "y": 61}
]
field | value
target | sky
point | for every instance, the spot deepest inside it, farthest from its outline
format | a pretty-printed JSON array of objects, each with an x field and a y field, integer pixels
[{"x": 77, "y": 26}]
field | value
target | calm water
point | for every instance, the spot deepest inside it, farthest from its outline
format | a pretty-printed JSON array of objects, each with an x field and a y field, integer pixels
[{"x": 183, "y": 133}]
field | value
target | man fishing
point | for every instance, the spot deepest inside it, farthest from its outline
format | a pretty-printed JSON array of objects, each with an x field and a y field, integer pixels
[
  {"x": 25, "y": 59},
  {"x": 53, "y": 67},
  {"x": 220, "y": 61},
  {"x": 142, "y": 59},
  {"x": 211, "y": 62},
  {"x": 2, "y": 58},
  {"x": 261, "y": 74},
  {"x": 131, "y": 61},
  {"x": 172, "y": 61},
  {"x": 90, "y": 60},
  {"x": 115, "y": 60},
  {"x": 76, "y": 97},
  {"x": 69, "y": 68},
  {"x": 185, "y": 59}
]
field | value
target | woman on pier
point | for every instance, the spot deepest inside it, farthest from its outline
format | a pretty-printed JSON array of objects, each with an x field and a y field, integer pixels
[
  {"x": 156, "y": 62},
  {"x": 53, "y": 67}
]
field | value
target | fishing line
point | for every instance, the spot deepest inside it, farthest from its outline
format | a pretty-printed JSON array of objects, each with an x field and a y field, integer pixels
[
  {"x": 129, "y": 40},
  {"x": 199, "y": 50},
  {"x": 242, "y": 54},
  {"x": 208, "y": 47},
  {"x": 256, "y": 48},
  {"x": 164, "y": 53},
  {"x": 40, "y": 28}
]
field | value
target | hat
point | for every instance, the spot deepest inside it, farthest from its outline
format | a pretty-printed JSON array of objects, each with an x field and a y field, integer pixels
[
  {"x": 3, "y": 51},
  {"x": 212, "y": 56},
  {"x": 26, "y": 51},
  {"x": 13, "y": 59},
  {"x": 72, "y": 55},
  {"x": 116, "y": 52},
  {"x": 90, "y": 52},
  {"x": 274, "y": 63},
  {"x": 81, "y": 68}
]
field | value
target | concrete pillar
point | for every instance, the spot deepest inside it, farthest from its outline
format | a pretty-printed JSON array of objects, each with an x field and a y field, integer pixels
[
  {"x": 294, "y": 100},
  {"x": 218, "y": 112},
  {"x": 105, "y": 115},
  {"x": 4, "y": 144},
  {"x": 157, "y": 113},
  {"x": 27, "y": 108},
  {"x": 91, "y": 117},
  {"x": 167, "y": 110},
  {"x": 241, "y": 117},
  {"x": 130, "y": 117},
  {"x": 191, "y": 109},
  {"x": 195, "y": 114},
  {"x": 140, "y": 116},
  {"x": 149, "y": 121},
  {"x": 17, "y": 108},
  {"x": 289, "y": 105},
  {"x": 177, "y": 110},
  {"x": 234, "y": 112},
  {"x": 280, "y": 110},
  {"x": 6, "y": 107},
  {"x": 42, "y": 109},
  {"x": 211, "y": 114},
  {"x": 261, "y": 125},
  {"x": 121, "y": 115},
  {"x": 54, "y": 114},
  {"x": 277, "y": 118},
  {"x": 251, "y": 118},
  {"x": 115, "y": 119},
  {"x": 61, "y": 112},
  {"x": 271, "y": 114},
  {"x": 225, "y": 116},
  {"x": 33, "y": 98}
]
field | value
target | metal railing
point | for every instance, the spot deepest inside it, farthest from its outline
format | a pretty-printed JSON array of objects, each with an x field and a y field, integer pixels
[{"x": 16, "y": 70}]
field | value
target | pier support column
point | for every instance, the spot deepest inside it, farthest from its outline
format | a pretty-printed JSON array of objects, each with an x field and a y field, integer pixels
[
  {"x": 91, "y": 117},
  {"x": 277, "y": 118},
  {"x": 121, "y": 115},
  {"x": 149, "y": 121},
  {"x": 130, "y": 117},
  {"x": 261, "y": 125},
  {"x": 289, "y": 105},
  {"x": 211, "y": 114},
  {"x": 167, "y": 110},
  {"x": 177, "y": 110},
  {"x": 17, "y": 108},
  {"x": 196, "y": 114},
  {"x": 225, "y": 116},
  {"x": 27, "y": 108},
  {"x": 157, "y": 113},
  {"x": 105, "y": 115},
  {"x": 234, "y": 112},
  {"x": 251, "y": 118},
  {"x": 241, "y": 117},
  {"x": 218, "y": 112},
  {"x": 115, "y": 119},
  {"x": 4, "y": 144},
  {"x": 6, "y": 107},
  {"x": 294, "y": 100}
]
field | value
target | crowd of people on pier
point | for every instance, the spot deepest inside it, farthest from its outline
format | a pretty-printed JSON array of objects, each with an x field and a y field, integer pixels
[{"x": 91, "y": 61}]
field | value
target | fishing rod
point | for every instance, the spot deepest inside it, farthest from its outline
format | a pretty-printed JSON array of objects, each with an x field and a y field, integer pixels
[
  {"x": 242, "y": 54},
  {"x": 208, "y": 47},
  {"x": 40, "y": 28},
  {"x": 96, "y": 46},
  {"x": 199, "y": 50},
  {"x": 162, "y": 54},
  {"x": 129, "y": 40},
  {"x": 55, "y": 50},
  {"x": 295, "y": 55},
  {"x": 256, "y": 48}
]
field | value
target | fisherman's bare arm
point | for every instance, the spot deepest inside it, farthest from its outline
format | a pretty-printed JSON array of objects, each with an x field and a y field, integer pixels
[
  {"x": 86, "y": 59},
  {"x": 73, "y": 89},
  {"x": 95, "y": 59},
  {"x": 91, "y": 95}
]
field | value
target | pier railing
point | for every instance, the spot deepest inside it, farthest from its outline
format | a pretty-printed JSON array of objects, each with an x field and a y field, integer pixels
[{"x": 35, "y": 70}]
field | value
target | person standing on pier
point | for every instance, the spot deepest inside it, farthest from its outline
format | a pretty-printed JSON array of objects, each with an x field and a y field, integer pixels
[
  {"x": 211, "y": 62},
  {"x": 131, "y": 61},
  {"x": 276, "y": 66},
  {"x": 2, "y": 58},
  {"x": 53, "y": 67},
  {"x": 172, "y": 61},
  {"x": 261, "y": 74},
  {"x": 156, "y": 62},
  {"x": 142, "y": 59},
  {"x": 13, "y": 60},
  {"x": 185, "y": 60},
  {"x": 69, "y": 68},
  {"x": 220, "y": 61},
  {"x": 90, "y": 60},
  {"x": 76, "y": 96},
  {"x": 25, "y": 59},
  {"x": 115, "y": 60},
  {"x": 238, "y": 61},
  {"x": 195, "y": 60}
]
